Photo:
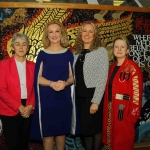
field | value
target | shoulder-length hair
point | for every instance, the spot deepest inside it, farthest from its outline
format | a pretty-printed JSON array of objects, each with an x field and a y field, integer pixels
[
  {"x": 79, "y": 44},
  {"x": 127, "y": 43},
  {"x": 64, "y": 42}
]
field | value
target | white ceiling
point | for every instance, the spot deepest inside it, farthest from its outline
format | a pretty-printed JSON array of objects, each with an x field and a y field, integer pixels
[{"x": 138, "y": 3}]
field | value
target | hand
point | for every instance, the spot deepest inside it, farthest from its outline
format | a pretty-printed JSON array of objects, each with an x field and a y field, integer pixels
[
  {"x": 21, "y": 109},
  {"x": 58, "y": 86},
  {"x": 93, "y": 108},
  {"x": 61, "y": 85},
  {"x": 27, "y": 111},
  {"x": 54, "y": 86}
]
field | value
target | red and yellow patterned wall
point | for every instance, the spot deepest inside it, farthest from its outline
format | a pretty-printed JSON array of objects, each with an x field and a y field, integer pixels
[{"x": 112, "y": 23}]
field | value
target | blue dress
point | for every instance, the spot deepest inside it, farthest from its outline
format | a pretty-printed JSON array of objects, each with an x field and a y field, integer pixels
[{"x": 53, "y": 111}]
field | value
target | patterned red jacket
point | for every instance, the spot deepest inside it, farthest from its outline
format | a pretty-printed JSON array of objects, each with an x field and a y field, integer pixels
[{"x": 127, "y": 86}]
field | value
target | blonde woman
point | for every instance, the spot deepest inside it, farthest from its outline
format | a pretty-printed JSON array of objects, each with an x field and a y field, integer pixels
[
  {"x": 53, "y": 77},
  {"x": 122, "y": 100},
  {"x": 91, "y": 69}
]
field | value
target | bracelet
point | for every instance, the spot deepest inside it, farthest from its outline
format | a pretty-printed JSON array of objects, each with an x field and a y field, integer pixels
[
  {"x": 68, "y": 82},
  {"x": 50, "y": 84}
]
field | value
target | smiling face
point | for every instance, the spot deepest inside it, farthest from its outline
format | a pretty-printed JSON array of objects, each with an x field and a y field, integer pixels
[
  {"x": 20, "y": 48},
  {"x": 54, "y": 33},
  {"x": 120, "y": 49},
  {"x": 87, "y": 35}
]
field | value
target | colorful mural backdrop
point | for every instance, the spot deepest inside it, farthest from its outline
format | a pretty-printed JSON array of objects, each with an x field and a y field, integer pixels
[{"x": 134, "y": 25}]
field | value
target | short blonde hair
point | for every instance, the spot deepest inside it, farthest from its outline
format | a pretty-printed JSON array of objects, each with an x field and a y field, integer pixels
[
  {"x": 127, "y": 43},
  {"x": 64, "y": 39}
]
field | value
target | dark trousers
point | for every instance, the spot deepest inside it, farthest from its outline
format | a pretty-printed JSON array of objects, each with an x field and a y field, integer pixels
[{"x": 16, "y": 131}]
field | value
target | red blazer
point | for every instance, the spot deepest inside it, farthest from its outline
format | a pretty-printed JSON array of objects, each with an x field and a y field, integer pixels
[
  {"x": 128, "y": 80},
  {"x": 10, "y": 90}
]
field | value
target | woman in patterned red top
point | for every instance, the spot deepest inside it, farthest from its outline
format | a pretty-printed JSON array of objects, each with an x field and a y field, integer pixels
[{"x": 122, "y": 100}]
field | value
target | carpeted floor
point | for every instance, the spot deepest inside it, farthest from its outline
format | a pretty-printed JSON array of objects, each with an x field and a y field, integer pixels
[
  {"x": 71, "y": 144},
  {"x": 33, "y": 145}
]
